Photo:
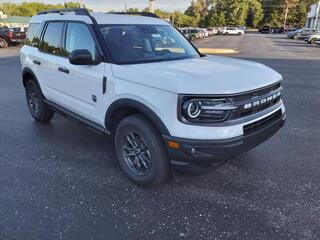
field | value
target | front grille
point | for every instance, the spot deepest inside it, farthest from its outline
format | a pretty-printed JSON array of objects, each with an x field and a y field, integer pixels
[
  {"x": 251, "y": 97},
  {"x": 256, "y": 126}
]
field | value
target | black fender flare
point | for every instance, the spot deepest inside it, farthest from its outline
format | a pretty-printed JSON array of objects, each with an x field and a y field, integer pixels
[
  {"x": 130, "y": 103},
  {"x": 27, "y": 70}
]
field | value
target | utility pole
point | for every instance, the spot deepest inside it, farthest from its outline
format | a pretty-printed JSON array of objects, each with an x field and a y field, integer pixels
[
  {"x": 125, "y": 6},
  {"x": 286, "y": 16},
  {"x": 317, "y": 17}
]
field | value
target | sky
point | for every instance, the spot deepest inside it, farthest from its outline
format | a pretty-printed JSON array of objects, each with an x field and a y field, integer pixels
[{"x": 117, "y": 5}]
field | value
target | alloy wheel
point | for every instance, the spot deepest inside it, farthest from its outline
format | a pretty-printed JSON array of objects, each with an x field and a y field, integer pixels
[
  {"x": 33, "y": 98},
  {"x": 136, "y": 154}
]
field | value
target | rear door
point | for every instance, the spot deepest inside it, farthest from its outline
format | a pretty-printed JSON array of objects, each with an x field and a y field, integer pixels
[{"x": 50, "y": 59}]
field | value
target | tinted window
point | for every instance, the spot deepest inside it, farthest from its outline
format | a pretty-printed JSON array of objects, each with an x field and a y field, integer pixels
[
  {"x": 79, "y": 37},
  {"x": 32, "y": 31},
  {"x": 129, "y": 44},
  {"x": 52, "y": 38}
]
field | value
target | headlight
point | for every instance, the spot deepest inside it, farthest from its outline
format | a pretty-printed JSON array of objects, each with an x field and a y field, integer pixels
[{"x": 206, "y": 110}]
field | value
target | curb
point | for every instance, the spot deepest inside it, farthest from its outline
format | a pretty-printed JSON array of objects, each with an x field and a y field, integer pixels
[{"x": 218, "y": 51}]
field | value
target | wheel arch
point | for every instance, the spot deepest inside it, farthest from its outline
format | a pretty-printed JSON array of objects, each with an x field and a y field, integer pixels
[
  {"x": 28, "y": 74},
  {"x": 122, "y": 108}
]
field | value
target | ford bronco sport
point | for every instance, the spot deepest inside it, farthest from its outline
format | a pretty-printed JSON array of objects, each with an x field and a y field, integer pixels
[{"x": 164, "y": 104}]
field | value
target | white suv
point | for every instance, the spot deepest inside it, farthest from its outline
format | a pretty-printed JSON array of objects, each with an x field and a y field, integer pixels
[
  {"x": 139, "y": 80},
  {"x": 233, "y": 31}
]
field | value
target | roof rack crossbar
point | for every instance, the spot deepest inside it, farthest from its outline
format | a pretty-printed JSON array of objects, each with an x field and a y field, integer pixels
[
  {"x": 144, "y": 14},
  {"x": 77, "y": 11}
]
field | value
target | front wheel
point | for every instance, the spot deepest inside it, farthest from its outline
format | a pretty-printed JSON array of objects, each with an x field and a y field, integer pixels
[
  {"x": 141, "y": 151},
  {"x": 314, "y": 41},
  {"x": 3, "y": 43}
]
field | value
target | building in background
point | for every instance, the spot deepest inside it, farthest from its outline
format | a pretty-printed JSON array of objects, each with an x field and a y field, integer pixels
[
  {"x": 313, "y": 16},
  {"x": 14, "y": 21}
]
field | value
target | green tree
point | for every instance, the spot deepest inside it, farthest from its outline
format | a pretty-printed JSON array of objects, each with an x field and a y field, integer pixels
[
  {"x": 254, "y": 14},
  {"x": 199, "y": 10},
  {"x": 182, "y": 20},
  {"x": 29, "y": 9},
  {"x": 133, "y": 10}
]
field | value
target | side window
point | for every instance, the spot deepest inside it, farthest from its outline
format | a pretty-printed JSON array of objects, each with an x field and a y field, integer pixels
[
  {"x": 32, "y": 31},
  {"x": 51, "y": 42},
  {"x": 78, "y": 37}
]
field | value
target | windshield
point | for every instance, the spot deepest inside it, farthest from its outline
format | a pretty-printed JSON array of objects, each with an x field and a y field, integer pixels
[{"x": 131, "y": 44}]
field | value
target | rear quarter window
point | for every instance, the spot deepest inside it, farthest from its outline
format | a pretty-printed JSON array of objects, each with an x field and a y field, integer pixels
[
  {"x": 51, "y": 42},
  {"x": 32, "y": 32}
]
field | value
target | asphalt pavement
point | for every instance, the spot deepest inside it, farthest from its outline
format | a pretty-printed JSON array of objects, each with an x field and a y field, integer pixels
[{"x": 62, "y": 181}]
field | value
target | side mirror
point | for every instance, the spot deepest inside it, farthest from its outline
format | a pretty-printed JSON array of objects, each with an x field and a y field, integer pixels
[{"x": 81, "y": 57}]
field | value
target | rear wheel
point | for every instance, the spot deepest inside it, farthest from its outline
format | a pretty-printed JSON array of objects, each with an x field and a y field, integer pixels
[
  {"x": 37, "y": 107},
  {"x": 3, "y": 43},
  {"x": 141, "y": 151}
]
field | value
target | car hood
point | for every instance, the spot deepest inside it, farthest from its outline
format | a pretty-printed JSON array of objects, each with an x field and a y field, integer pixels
[
  {"x": 207, "y": 75},
  {"x": 316, "y": 35}
]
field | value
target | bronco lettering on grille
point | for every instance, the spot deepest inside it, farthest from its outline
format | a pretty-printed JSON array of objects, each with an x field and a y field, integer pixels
[{"x": 262, "y": 101}]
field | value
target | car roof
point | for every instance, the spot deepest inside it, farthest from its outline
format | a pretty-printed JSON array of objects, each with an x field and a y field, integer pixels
[{"x": 101, "y": 18}]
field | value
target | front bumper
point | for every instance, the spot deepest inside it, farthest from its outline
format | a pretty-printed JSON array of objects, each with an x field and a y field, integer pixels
[{"x": 203, "y": 153}]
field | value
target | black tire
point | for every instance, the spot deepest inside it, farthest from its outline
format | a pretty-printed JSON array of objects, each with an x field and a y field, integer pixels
[
  {"x": 3, "y": 43},
  {"x": 146, "y": 138},
  {"x": 313, "y": 41},
  {"x": 37, "y": 107}
]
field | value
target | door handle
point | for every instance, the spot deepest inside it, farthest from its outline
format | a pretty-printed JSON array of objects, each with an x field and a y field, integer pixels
[
  {"x": 64, "y": 70},
  {"x": 37, "y": 62}
]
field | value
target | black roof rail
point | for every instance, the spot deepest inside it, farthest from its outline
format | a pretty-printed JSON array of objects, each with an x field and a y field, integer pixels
[
  {"x": 144, "y": 14},
  {"x": 77, "y": 11}
]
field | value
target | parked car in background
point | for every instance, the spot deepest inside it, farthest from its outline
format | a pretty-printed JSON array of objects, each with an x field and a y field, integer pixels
[
  {"x": 292, "y": 29},
  {"x": 13, "y": 35},
  {"x": 277, "y": 30},
  {"x": 204, "y": 32},
  {"x": 291, "y": 34},
  {"x": 265, "y": 30},
  {"x": 212, "y": 31},
  {"x": 191, "y": 33},
  {"x": 312, "y": 39},
  {"x": 302, "y": 33},
  {"x": 232, "y": 31},
  {"x": 243, "y": 28}
]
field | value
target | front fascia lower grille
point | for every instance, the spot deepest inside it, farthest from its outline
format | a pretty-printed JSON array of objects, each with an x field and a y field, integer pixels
[{"x": 256, "y": 126}]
